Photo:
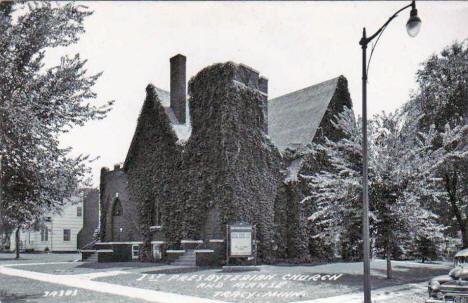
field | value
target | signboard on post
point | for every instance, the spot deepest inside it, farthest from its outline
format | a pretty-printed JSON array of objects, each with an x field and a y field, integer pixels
[{"x": 240, "y": 236}]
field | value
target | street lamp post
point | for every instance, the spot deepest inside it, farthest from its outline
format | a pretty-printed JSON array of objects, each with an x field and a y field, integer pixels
[{"x": 413, "y": 25}]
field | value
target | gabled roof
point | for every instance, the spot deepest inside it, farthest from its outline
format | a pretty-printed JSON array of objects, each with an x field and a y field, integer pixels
[
  {"x": 165, "y": 98},
  {"x": 294, "y": 118},
  {"x": 180, "y": 131}
]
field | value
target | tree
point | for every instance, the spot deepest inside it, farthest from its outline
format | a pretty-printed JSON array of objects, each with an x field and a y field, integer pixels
[
  {"x": 337, "y": 191},
  {"x": 400, "y": 216},
  {"x": 425, "y": 141},
  {"x": 440, "y": 109},
  {"x": 449, "y": 170},
  {"x": 443, "y": 91},
  {"x": 426, "y": 248},
  {"x": 37, "y": 105}
]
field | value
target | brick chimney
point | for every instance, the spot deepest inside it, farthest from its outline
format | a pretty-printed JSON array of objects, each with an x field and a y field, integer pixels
[{"x": 178, "y": 87}]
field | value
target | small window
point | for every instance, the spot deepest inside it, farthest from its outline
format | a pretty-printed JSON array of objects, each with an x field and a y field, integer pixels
[
  {"x": 79, "y": 211},
  {"x": 117, "y": 210},
  {"x": 66, "y": 235},
  {"x": 44, "y": 234}
]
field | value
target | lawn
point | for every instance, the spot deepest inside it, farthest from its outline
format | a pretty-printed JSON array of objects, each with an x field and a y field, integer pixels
[
  {"x": 271, "y": 284},
  {"x": 278, "y": 284}
]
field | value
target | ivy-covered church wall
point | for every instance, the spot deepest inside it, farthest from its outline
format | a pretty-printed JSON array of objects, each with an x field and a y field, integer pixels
[
  {"x": 229, "y": 168},
  {"x": 290, "y": 214},
  {"x": 114, "y": 185},
  {"x": 150, "y": 167}
]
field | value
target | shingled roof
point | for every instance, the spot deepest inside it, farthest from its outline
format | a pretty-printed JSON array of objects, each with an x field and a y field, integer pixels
[{"x": 294, "y": 118}]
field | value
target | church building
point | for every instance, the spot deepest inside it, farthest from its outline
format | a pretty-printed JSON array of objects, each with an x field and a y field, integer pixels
[{"x": 224, "y": 155}]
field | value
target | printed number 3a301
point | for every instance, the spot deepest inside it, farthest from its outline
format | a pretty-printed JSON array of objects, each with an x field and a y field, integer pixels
[{"x": 61, "y": 293}]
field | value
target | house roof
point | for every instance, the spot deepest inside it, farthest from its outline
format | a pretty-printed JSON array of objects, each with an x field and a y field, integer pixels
[{"x": 294, "y": 118}]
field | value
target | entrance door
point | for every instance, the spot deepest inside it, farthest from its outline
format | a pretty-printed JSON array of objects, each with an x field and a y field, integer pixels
[{"x": 117, "y": 221}]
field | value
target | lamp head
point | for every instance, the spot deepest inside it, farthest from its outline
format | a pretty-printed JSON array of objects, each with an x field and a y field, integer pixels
[{"x": 414, "y": 23}]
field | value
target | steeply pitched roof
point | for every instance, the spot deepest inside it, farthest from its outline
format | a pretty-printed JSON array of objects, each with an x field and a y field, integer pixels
[
  {"x": 182, "y": 131},
  {"x": 294, "y": 118},
  {"x": 164, "y": 96}
]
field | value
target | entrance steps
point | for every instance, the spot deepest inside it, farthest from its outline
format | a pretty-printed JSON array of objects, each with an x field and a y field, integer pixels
[
  {"x": 189, "y": 258},
  {"x": 93, "y": 258}
]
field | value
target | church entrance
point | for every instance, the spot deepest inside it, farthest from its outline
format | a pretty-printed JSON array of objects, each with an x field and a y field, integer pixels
[{"x": 117, "y": 221}]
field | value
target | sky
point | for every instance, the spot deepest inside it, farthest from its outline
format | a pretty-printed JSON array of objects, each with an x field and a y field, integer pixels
[{"x": 293, "y": 44}]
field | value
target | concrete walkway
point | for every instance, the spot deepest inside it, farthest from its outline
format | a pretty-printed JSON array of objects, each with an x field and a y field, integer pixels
[
  {"x": 83, "y": 282},
  {"x": 389, "y": 294}
]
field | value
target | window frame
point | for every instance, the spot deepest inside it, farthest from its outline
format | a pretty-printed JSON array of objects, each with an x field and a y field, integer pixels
[
  {"x": 66, "y": 235},
  {"x": 44, "y": 234}
]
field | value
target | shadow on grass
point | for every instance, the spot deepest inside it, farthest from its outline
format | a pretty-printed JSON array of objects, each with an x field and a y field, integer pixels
[
  {"x": 401, "y": 275},
  {"x": 13, "y": 259},
  {"x": 410, "y": 274},
  {"x": 117, "y": 265},
  {"x": 311, "y": 264},
  {"x": 6, "y": 297},
  {"x": 180, "y": 270}
]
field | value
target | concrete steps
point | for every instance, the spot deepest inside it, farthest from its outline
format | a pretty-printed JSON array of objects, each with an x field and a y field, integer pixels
[
  {"x": 93, "y": 258},
  {"x": 187, "y": 259}
]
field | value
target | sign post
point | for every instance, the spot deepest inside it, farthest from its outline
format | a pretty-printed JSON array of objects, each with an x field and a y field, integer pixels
[{"x": 240, "y": 241}]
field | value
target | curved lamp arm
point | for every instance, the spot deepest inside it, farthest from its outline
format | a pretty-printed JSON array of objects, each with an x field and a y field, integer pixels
[{"x": 364, "y": 41}]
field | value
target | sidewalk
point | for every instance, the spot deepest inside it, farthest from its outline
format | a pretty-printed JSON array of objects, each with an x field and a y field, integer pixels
[
  {"x": 127, "y": 283},
  {"x": 84, "y": 283},
  {"x": 394, "y": 294}
]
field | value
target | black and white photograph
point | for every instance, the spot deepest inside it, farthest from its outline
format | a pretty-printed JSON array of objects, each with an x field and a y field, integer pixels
[{"x": 234, "y": 151}]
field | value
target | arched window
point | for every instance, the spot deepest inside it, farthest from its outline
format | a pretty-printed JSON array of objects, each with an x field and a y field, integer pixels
[
  {"x": 153, "y": 212},
  {"x": 117, "y": 209}
]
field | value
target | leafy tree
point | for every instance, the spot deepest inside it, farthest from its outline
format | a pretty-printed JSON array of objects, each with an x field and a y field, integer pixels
[
  {"x": 37, "y": 105},
  {"x": 443, "y": 91},
  {"x": 400, "y": 214},
  {"x": 426, "y": 248},
  {"x": 440, "y": 112},
  {"x": 449, "y": 172},
  {"x": 336, "y": 192}
]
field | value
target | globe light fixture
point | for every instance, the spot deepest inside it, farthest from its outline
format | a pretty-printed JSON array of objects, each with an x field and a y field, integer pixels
[{"x": 414, "y": 23}]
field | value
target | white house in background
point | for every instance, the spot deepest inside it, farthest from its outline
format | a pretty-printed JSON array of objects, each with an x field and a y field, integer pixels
[{"x": 58, "y": 232}]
